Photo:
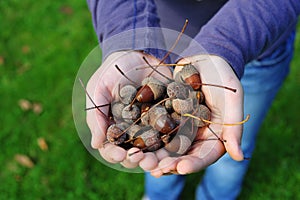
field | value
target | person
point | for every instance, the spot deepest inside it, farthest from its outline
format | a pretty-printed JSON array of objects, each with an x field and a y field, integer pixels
[{"x": 251, "y": 44}]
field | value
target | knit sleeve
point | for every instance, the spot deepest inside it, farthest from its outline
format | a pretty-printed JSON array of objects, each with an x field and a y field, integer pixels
[{"x": 243, "y": 30}]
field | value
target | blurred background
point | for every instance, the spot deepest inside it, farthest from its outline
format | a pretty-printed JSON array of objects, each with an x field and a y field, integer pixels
[{"x": 42, "y": 45}]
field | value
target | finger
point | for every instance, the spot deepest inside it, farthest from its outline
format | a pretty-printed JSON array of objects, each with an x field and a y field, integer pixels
[
  {"x": 233, "y": 136},
  {"x": 200, "y": 157},
  {"x": 162, "y": 153},
  {"x": 168, "y": 164},
  {"x": 149, "y": 161},
  {"x": 113, "y": 153},
  {"x": 97, "y": 128},
  {"x": 157, "y": 173},
  {"x": 233, "y": 114},
  {"x": 132, "y": 160}
]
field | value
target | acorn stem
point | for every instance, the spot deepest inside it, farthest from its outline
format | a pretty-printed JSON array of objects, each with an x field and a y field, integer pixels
[
  {"x": 100, "y": 111},
  {"x": 163, "y": 65},
  {"x": 225, "y": 124},
  {"x": 174, "y": 45},
  {"x": 213, "y": 85},
  {"x": 211, "y": 130},
  {"x": 220, "y": 86},
  {"x": 176, "y": 41},
  {"x": 154, "y": 69},
  {"x": 123, "y": 74},
  {"x": 100, "y": 106}
]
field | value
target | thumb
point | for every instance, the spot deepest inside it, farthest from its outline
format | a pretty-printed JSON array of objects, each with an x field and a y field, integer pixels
[{"x": 232, "y": 142}]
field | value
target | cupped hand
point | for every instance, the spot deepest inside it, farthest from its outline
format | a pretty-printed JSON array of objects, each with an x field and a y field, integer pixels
[
  {"x": 226, "y": 107},
  {"x": 101, "y": 88}
]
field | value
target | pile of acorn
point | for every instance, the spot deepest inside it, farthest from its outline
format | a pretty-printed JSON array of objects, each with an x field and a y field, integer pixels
[{"x": 151, "y": 116}]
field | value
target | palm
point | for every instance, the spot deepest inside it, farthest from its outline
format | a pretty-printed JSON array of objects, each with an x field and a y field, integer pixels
[
  {"x": 226, "y": 107},
  {"x": 102, "y": 86}
]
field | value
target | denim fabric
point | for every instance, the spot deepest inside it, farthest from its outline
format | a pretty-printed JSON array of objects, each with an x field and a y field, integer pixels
[{"x": 223, "y": 180}]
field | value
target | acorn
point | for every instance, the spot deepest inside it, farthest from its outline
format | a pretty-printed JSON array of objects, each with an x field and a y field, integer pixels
[
  {"x": 115, "y": 133},
  {"x": 203, "y": 112},
  {"x": 152, "y": 89},
  {"x": 161, "y": 120},
  {"x": 133, "y": 130},
  {"x": 147, "y": 137},
  {"x": 190, "y": 75},
  {"x": 127, "y": 94},
  {"x": 130, "y": 113},
  {"x": 183, "y": 106},
  {"x": 179, "y": 144},
  {"x": 177, "y": 90},
  {"x": 116, "y": 110}
]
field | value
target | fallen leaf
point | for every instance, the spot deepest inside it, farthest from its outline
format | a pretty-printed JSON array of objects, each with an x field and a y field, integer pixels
[
  {"x": 1, "y": 60},
  {"x": 66, "y": 10},
  {"x": 24, "y": 160},
  {"x": 25, "y": 49},
  {"x": 25, "y": 104},
  {"x": 37, "y": 108},
  {"x": 42, "y": 144}
]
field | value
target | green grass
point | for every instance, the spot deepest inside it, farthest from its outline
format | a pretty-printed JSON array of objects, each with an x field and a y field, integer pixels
[{"x": 43, "y": 43}]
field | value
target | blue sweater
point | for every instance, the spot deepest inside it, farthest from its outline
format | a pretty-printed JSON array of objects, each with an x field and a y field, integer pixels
[{"x": 236, "y": 30}]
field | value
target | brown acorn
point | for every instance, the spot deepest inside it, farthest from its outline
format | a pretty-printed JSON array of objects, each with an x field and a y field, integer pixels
[
  {"x": 161, "y": 120},
  {"x": 115, "y": 133},
  {"x": 190, "y": 75},
  {"x": 147, "y": 137},
  {"x": 152, "y": 89}
]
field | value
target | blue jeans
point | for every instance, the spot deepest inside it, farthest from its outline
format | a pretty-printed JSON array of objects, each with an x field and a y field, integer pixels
[{"x": 223, "y": 180}]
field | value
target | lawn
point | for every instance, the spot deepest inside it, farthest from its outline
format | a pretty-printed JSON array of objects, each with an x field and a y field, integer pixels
[{"x": 43, "y": 44}]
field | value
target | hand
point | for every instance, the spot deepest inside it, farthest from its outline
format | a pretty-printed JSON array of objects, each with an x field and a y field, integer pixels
[
  {"x": 100, "y": 87},
  {"x": 226, "y": 107}
]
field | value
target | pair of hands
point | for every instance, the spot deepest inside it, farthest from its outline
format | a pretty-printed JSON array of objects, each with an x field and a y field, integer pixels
[{"x": 225, "y": 106}]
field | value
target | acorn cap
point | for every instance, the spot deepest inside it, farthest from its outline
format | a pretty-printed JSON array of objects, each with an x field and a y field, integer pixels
[
  {"x": 133, "y": 130},
  {"x": 150, "y": 137},
  {"x": 155, "y": 113},
  {"x": 130, "y": 113},
  {"x": 115, "y": 133},
  {"x": 177, "y": 90},
  {"x": 127, "y": 94},
  {"x": 190, "y": 75},
  {"x": 188, "y": 70},
  {"x": 183, "y": 106},
  {"x": 116, "y": 110},
  {"x": 158, "y": 88}
]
